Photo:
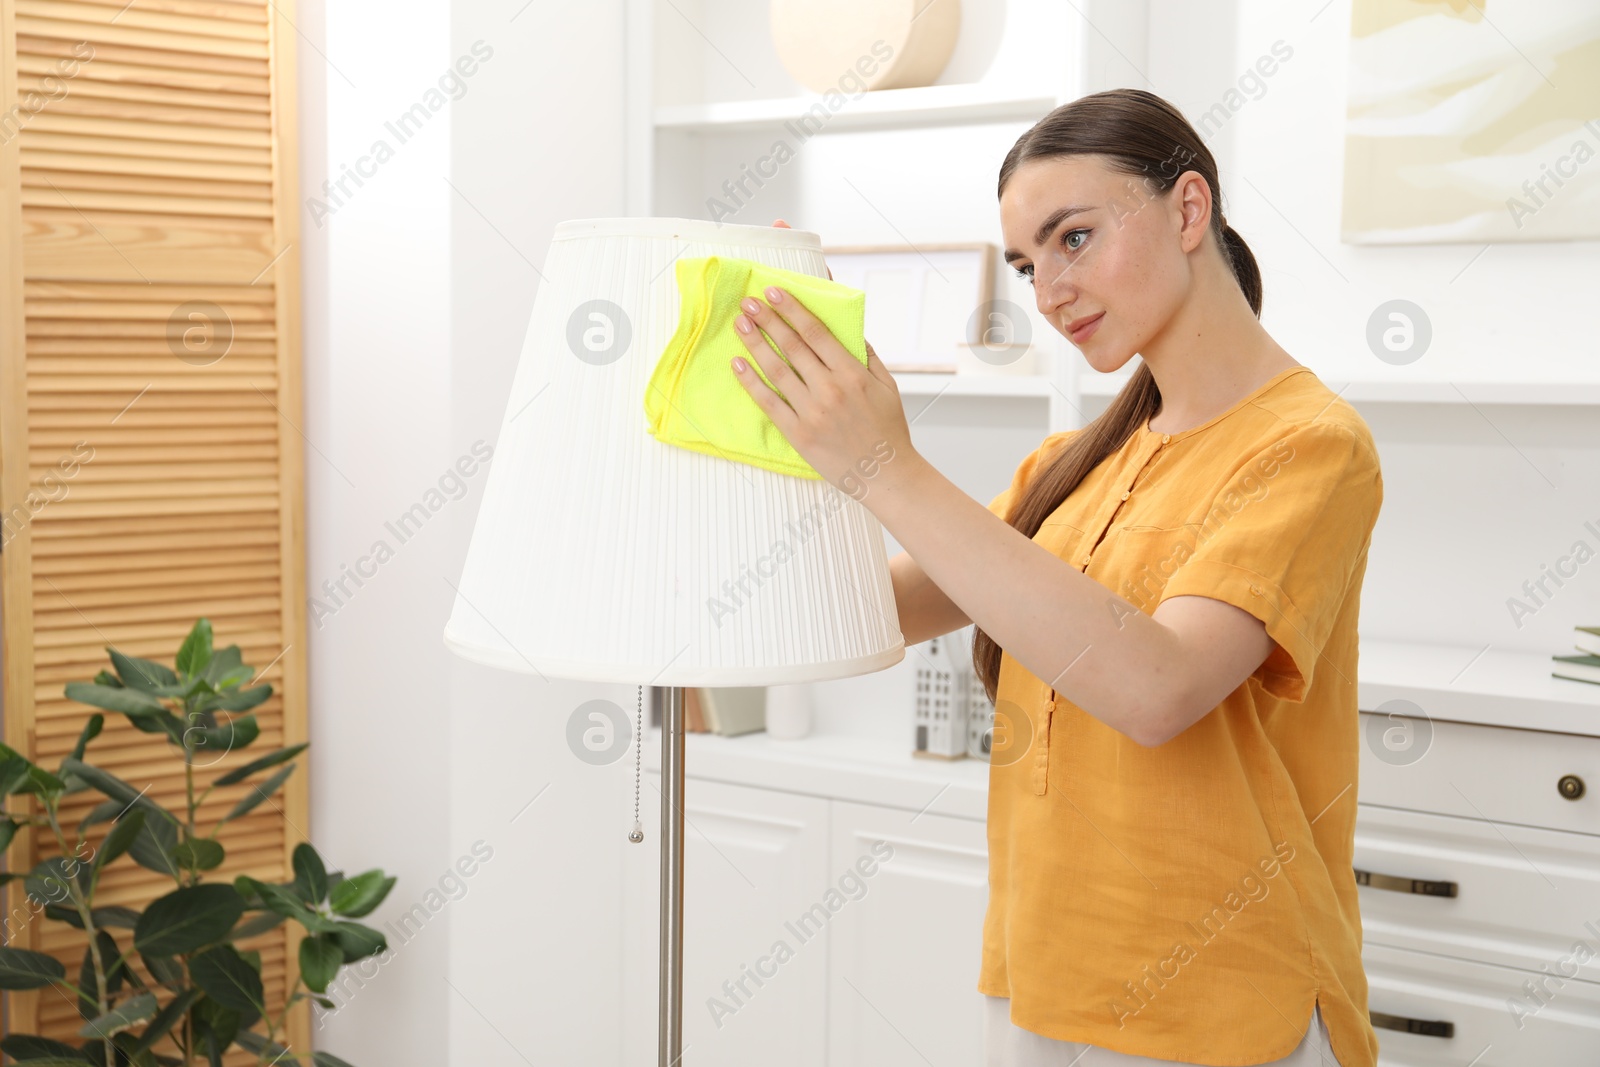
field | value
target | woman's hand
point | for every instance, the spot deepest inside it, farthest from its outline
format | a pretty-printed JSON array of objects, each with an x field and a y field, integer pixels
[{"x": 844, "y": 419}]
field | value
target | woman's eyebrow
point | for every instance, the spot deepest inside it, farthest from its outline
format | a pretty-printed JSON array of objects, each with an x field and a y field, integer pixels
[{"x": 1049, "y": 225}]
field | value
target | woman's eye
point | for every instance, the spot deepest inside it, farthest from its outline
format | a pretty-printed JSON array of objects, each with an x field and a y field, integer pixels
[{"x": 1066, "y": 241}]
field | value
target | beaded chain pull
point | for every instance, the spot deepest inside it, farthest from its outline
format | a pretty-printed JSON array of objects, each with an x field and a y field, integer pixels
[{"x": 637, "y": 835}]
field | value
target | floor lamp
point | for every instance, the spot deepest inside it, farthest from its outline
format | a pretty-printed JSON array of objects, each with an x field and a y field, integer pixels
[{"x": 602, "y": 554}]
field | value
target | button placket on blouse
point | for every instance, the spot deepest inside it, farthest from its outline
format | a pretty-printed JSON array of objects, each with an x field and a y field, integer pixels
[
  {"x": 1041, "y": 751},
  {"x": 1116, "y": 509}
]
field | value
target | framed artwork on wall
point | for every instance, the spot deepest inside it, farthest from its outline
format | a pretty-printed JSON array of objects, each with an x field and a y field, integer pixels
[{"x": 924, "y": 302}]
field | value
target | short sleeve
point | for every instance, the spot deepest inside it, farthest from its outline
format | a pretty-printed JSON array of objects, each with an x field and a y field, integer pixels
[
  {"x": 1283, "y": 542},
  {"x": 1025, "y": 471}
]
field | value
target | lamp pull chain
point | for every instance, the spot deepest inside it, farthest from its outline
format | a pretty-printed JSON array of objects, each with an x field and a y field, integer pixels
[{"x": 638, "y": 754}]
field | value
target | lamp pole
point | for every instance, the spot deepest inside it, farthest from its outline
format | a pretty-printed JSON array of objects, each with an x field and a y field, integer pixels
[{"x": 670, "y": 1024}]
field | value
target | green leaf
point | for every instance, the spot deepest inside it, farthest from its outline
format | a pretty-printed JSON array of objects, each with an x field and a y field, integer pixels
[
  {"x": 223, "y": 662},
  {"x": 115, "y": 915},
  {"x": 50, "y": 881},
  {"x": 216, "y": 741},
  {"x": 166, "y": 970},
  {"x": 195, "y": 652},
  {"x": 135, "y": 702},
  {"x": 200, "y": 854},
  {"x": 8, "y": 830},
  {"x": 284, "y": 902},
  {"x": 358, "y": 942},
  {"x": 187, "y": 919},
  {"x": 242, "y": 699},
  {"x": 272, "y": 759},
  {"x": 355, "y": 897},
  {"x": 320, "y": 959},
  {"x": 30, "y": 1048},
  {"x": 164, "y": 723},
  {"x": 139, "y": 673},
  {"x": 88, "y": 985},
  {"x": 217, "y": 1025},
  {"x": 258, "y": 793},
  {"x": 105, "y": 781},
  {"x": 152, "y": 848},
  {"x": 42, "y": 782},
  {"x": 120, "y": 838},
  {"x": 258, "y": 1044},
  {"x": 228, "y": 979},
  {"x": 125, "y": 1041},
  {"x": 13, "y": 770},
  {"x": 22, "y": 968},
  {"x": 234, "y": 678},
  {"x": 258, "y": 923},
  {"x": 104, "y": 811},
  {"x": 135, "y": 1009},
  {"x": 90, "y": 731},
  {"x": 310, "y": 876},
  {"x": 111, "y": 915},
  {"x": 164, "y": 1020}
]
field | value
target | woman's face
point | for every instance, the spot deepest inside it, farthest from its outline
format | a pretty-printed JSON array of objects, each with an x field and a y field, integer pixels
[{"x": 1118, "y": 256}]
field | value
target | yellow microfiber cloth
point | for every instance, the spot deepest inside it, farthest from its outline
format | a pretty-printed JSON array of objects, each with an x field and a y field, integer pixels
[{"x": 695, "y": 401}]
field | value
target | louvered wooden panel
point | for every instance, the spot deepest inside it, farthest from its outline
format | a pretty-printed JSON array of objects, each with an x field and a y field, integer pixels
[{"x": 158, "y": 174}]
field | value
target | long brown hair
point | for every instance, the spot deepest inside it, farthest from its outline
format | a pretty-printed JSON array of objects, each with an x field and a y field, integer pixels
[{"x": 1141, "y": 135}]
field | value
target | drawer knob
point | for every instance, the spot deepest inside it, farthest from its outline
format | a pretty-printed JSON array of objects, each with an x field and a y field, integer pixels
[
  {"x": 1426, "y": 1027},
  {"x": 1570, "y": 786},
  {"x": 1396, "y": 884}
]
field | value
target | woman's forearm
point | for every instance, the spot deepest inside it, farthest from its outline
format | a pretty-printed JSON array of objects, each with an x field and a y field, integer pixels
[{"x": 1093, "y": 647}]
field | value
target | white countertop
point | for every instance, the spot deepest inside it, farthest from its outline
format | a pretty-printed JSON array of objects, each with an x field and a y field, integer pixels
[
  {"x": 1451, "y": 682},
  {"x": 1466, "y": 684}
]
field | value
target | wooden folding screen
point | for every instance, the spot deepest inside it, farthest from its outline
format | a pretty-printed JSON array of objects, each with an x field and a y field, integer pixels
[{"x": 151, "y": 467}]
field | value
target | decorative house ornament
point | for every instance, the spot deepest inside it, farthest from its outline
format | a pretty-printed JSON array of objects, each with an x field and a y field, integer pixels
[
  {"x": 843, "y": 45},
  {"x": 940, "y": 722},
  {"x": 980, "y": 712}
]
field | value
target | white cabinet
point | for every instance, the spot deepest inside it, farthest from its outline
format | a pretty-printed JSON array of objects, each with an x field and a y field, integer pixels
[
  {"x": 754, "y": 984},
  {"x": 1480, "y": 849},
  {"x": 817, "y": 931},
  {"x": 904, "y": 958}
]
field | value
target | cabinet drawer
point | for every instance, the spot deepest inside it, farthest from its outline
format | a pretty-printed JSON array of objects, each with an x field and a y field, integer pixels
[
  {"x": 1479, "y": 772},
  {"x": 1494, "y": 1022},
  {"x": 1522, "y": 896}
]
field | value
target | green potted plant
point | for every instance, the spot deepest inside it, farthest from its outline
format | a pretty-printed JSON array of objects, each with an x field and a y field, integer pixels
[{"x": 203, "y": 995}]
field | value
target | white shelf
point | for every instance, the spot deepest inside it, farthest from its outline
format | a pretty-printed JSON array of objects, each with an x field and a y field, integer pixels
[
  {"x": 1455, "y": 683},
  {"x": 861, "y": 770},
  {"x": 1371, "y": 391},
  {"x": 1496, "y": 688},
  {"x": 929, "y": 105},
  {"x": 1002, "y": 385}
]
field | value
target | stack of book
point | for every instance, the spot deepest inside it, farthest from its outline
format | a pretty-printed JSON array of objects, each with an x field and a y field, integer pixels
[
  {"x": 1584, "y": 667},
  {"x": 726, "y": 710}
]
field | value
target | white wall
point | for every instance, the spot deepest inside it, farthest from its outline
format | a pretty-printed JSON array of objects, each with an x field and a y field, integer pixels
[
  {"x": 535, "y": 947},
  {"x": 377, "y": 426}
]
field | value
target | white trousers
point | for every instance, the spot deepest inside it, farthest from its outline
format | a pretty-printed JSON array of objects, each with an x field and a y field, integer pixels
[{"x": 1005, "y": 1044}]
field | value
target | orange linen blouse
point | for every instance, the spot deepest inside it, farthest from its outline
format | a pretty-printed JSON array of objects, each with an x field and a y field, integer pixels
[{"x": 1191, "y": 901}]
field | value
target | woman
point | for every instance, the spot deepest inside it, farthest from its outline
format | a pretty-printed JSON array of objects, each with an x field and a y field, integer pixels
[{"x": 1175, "y": 587}]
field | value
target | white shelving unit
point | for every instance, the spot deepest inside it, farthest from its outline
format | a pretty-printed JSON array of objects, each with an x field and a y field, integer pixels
[{"x": 1105, "y": 386}]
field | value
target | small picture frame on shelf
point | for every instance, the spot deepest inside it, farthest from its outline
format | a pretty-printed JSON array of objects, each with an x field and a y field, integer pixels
[{"x": 925, "y": 303}]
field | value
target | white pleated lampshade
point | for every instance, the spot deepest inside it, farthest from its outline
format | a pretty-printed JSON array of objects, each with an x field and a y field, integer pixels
[{"x": 603, "y": 554}]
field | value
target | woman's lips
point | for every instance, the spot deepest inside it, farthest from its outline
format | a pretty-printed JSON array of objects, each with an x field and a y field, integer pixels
[{"x": 1084, "y": 332}]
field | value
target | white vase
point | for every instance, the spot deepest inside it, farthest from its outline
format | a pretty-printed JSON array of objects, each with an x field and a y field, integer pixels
[{"x": 788, "y": 712}]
